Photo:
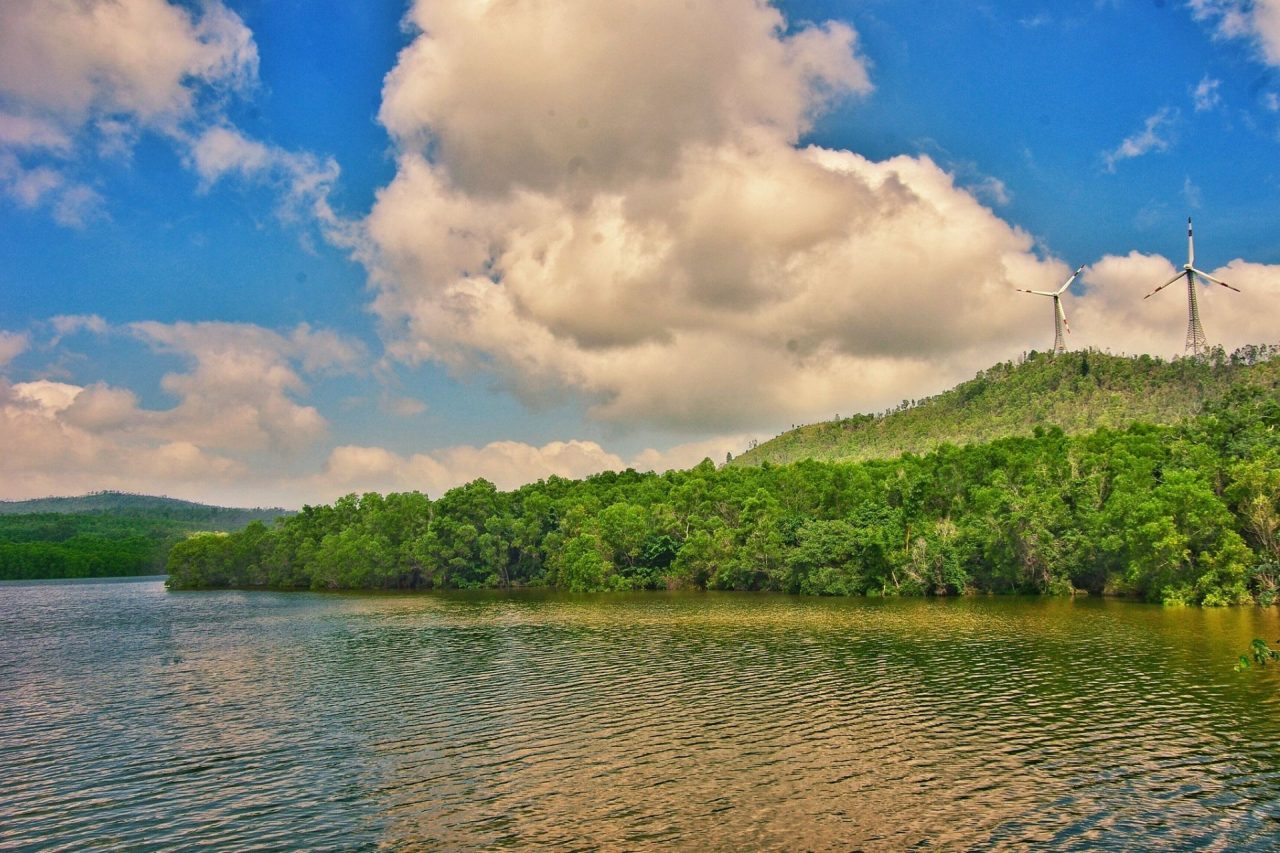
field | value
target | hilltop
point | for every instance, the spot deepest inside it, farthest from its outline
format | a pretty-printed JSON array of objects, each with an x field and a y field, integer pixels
[{"x": 1076, "y": 391}]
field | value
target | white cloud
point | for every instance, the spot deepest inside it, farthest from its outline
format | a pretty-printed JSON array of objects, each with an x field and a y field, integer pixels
[
  {"x": 303, "y": 179},
  {"x": 73, "y": 204},
  {"x": 1154, "y": 136},
  {"x": 24, "y": 132},
  {"x": 587, "y": 94},
  {"x": 1256, "y": 20},
  {"x": 507, "y": 464},
  {"x": 84, "y": 77},
  {"x": 93, "y": 74},
  {"x": 48, "y": 398},
  {"x": 80, "y": 438},
  {"x": 12, "y": 345},
  {"x": 672, "y": 256},
  {"x": 235, "y": 428},
  {"x": 27, "y": 186},
  {"x": 65, "y": 325},
  {"x": 1206, "y": 95},
  {"x": 68, "y": 60},
  {"x": 220, "y": 150},
  {"x": 77, "y": 206},
  {"x": 60, "y": 456},
  {"x": 687, "y": 455},
  {"x": 405, "y": 407},
  {"x": 239, "y": 394},
  {"x": 1191, "y": 192},
  {"x": 100, "y": 408},
  {"x": 991, "y": 190}
]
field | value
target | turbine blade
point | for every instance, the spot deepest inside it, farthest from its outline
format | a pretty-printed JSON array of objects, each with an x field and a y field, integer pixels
[
  {"x": 1036, "y": 292},
  {"x": 1215, "y": 280},
  {"x": 1063, "y": 315},
  {"x": 1166, "y": 284},
  {"x": 1191, "y": 246},
  {"x": 1064, "y": 287}
]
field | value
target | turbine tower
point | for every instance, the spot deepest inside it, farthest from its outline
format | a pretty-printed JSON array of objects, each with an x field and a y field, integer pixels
[
  {"x": 1195, "y": 332},
  {"x": 1059, "y": 316}
]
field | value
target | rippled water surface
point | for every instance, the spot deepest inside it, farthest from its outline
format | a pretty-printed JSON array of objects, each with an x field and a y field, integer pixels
[{"x": 135, "y": 718}]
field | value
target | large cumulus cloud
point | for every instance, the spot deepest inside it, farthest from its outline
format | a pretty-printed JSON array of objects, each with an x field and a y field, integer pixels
[{"x": 612, "y": 200}]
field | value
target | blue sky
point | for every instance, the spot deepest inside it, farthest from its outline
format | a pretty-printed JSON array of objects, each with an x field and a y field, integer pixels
[{"x": 273, "y": 251}]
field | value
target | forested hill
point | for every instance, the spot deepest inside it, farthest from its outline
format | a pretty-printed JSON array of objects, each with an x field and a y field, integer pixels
[
  {"x": 1180, "y": 514},
  {"x": 105, "y": 534},
  {"x": 1077, "y": 392},
  {"x": 126, "y": 503}
]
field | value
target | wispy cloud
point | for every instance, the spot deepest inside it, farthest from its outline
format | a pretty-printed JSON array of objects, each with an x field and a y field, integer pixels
[
  {"x": 1191, "y": 192},
  {"x": 1154, "y": 136},
  {"x": 1255, "y": 20},
  {"x": 984, "y": 187},
  {"x": 1206, "y": 95},
  {"x": 12, "y": 345},
  {"x": 83, "y": 81}
]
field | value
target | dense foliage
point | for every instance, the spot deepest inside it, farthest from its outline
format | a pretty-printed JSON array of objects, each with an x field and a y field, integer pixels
[
  {"x": 1078, "y": 392},
  {"x": 104, "y": 535},
  {"x": 1260, "y": 653},
  {"x": 1184, "y": 514}
]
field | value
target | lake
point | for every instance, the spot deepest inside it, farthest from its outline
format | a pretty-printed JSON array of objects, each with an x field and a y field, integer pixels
[{"x": 136, "y": 718}]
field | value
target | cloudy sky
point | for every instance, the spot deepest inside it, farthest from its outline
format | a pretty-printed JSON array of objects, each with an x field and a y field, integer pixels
[{"x": 271, "y": 251}]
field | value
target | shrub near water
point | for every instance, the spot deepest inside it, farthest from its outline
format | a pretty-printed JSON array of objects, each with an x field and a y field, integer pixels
[{"x": 1185, "y": 515}]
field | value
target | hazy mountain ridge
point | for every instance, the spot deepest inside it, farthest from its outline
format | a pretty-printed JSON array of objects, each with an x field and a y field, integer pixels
[
  {"x": 152, "y": 506},
  {"x": 1076, "y": 391}
]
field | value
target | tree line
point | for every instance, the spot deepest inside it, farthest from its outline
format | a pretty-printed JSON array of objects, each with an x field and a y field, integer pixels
[{"x": 1188, "y": 514}]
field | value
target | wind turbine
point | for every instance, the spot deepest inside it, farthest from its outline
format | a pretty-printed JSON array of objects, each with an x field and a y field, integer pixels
[
  {"x": 1195, "y": 332},
  {"x": 1059, "y": 316}
]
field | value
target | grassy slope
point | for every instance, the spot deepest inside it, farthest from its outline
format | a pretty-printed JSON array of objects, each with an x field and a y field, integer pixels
[{"x": 1078, "y": 391}]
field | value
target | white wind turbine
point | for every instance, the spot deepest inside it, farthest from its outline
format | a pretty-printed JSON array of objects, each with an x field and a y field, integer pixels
[
  {"x": 1195, "y": 332},
  {"x": 1059, "y": 316}
]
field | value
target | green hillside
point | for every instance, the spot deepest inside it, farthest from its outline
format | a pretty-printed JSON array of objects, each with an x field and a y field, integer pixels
[
  {"x": 1181, "y": 514},
  {"x": 1076, "y": 391},
  {"x": 105, "y": 534}
]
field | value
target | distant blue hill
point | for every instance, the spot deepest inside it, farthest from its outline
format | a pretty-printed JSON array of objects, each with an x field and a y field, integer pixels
[{"x": 151, "y": 506}]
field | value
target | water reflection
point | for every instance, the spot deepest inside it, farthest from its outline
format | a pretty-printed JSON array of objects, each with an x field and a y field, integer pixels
[{"x": 137, "y": 716}]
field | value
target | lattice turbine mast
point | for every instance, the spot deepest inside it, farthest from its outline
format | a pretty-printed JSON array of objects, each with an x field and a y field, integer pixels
[
  {"x": 1196, "y": 342},
  {"x": 1059, "y": 316}
]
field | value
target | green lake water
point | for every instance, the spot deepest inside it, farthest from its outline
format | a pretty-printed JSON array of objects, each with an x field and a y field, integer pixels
[{"x": 140, "y": 719}]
